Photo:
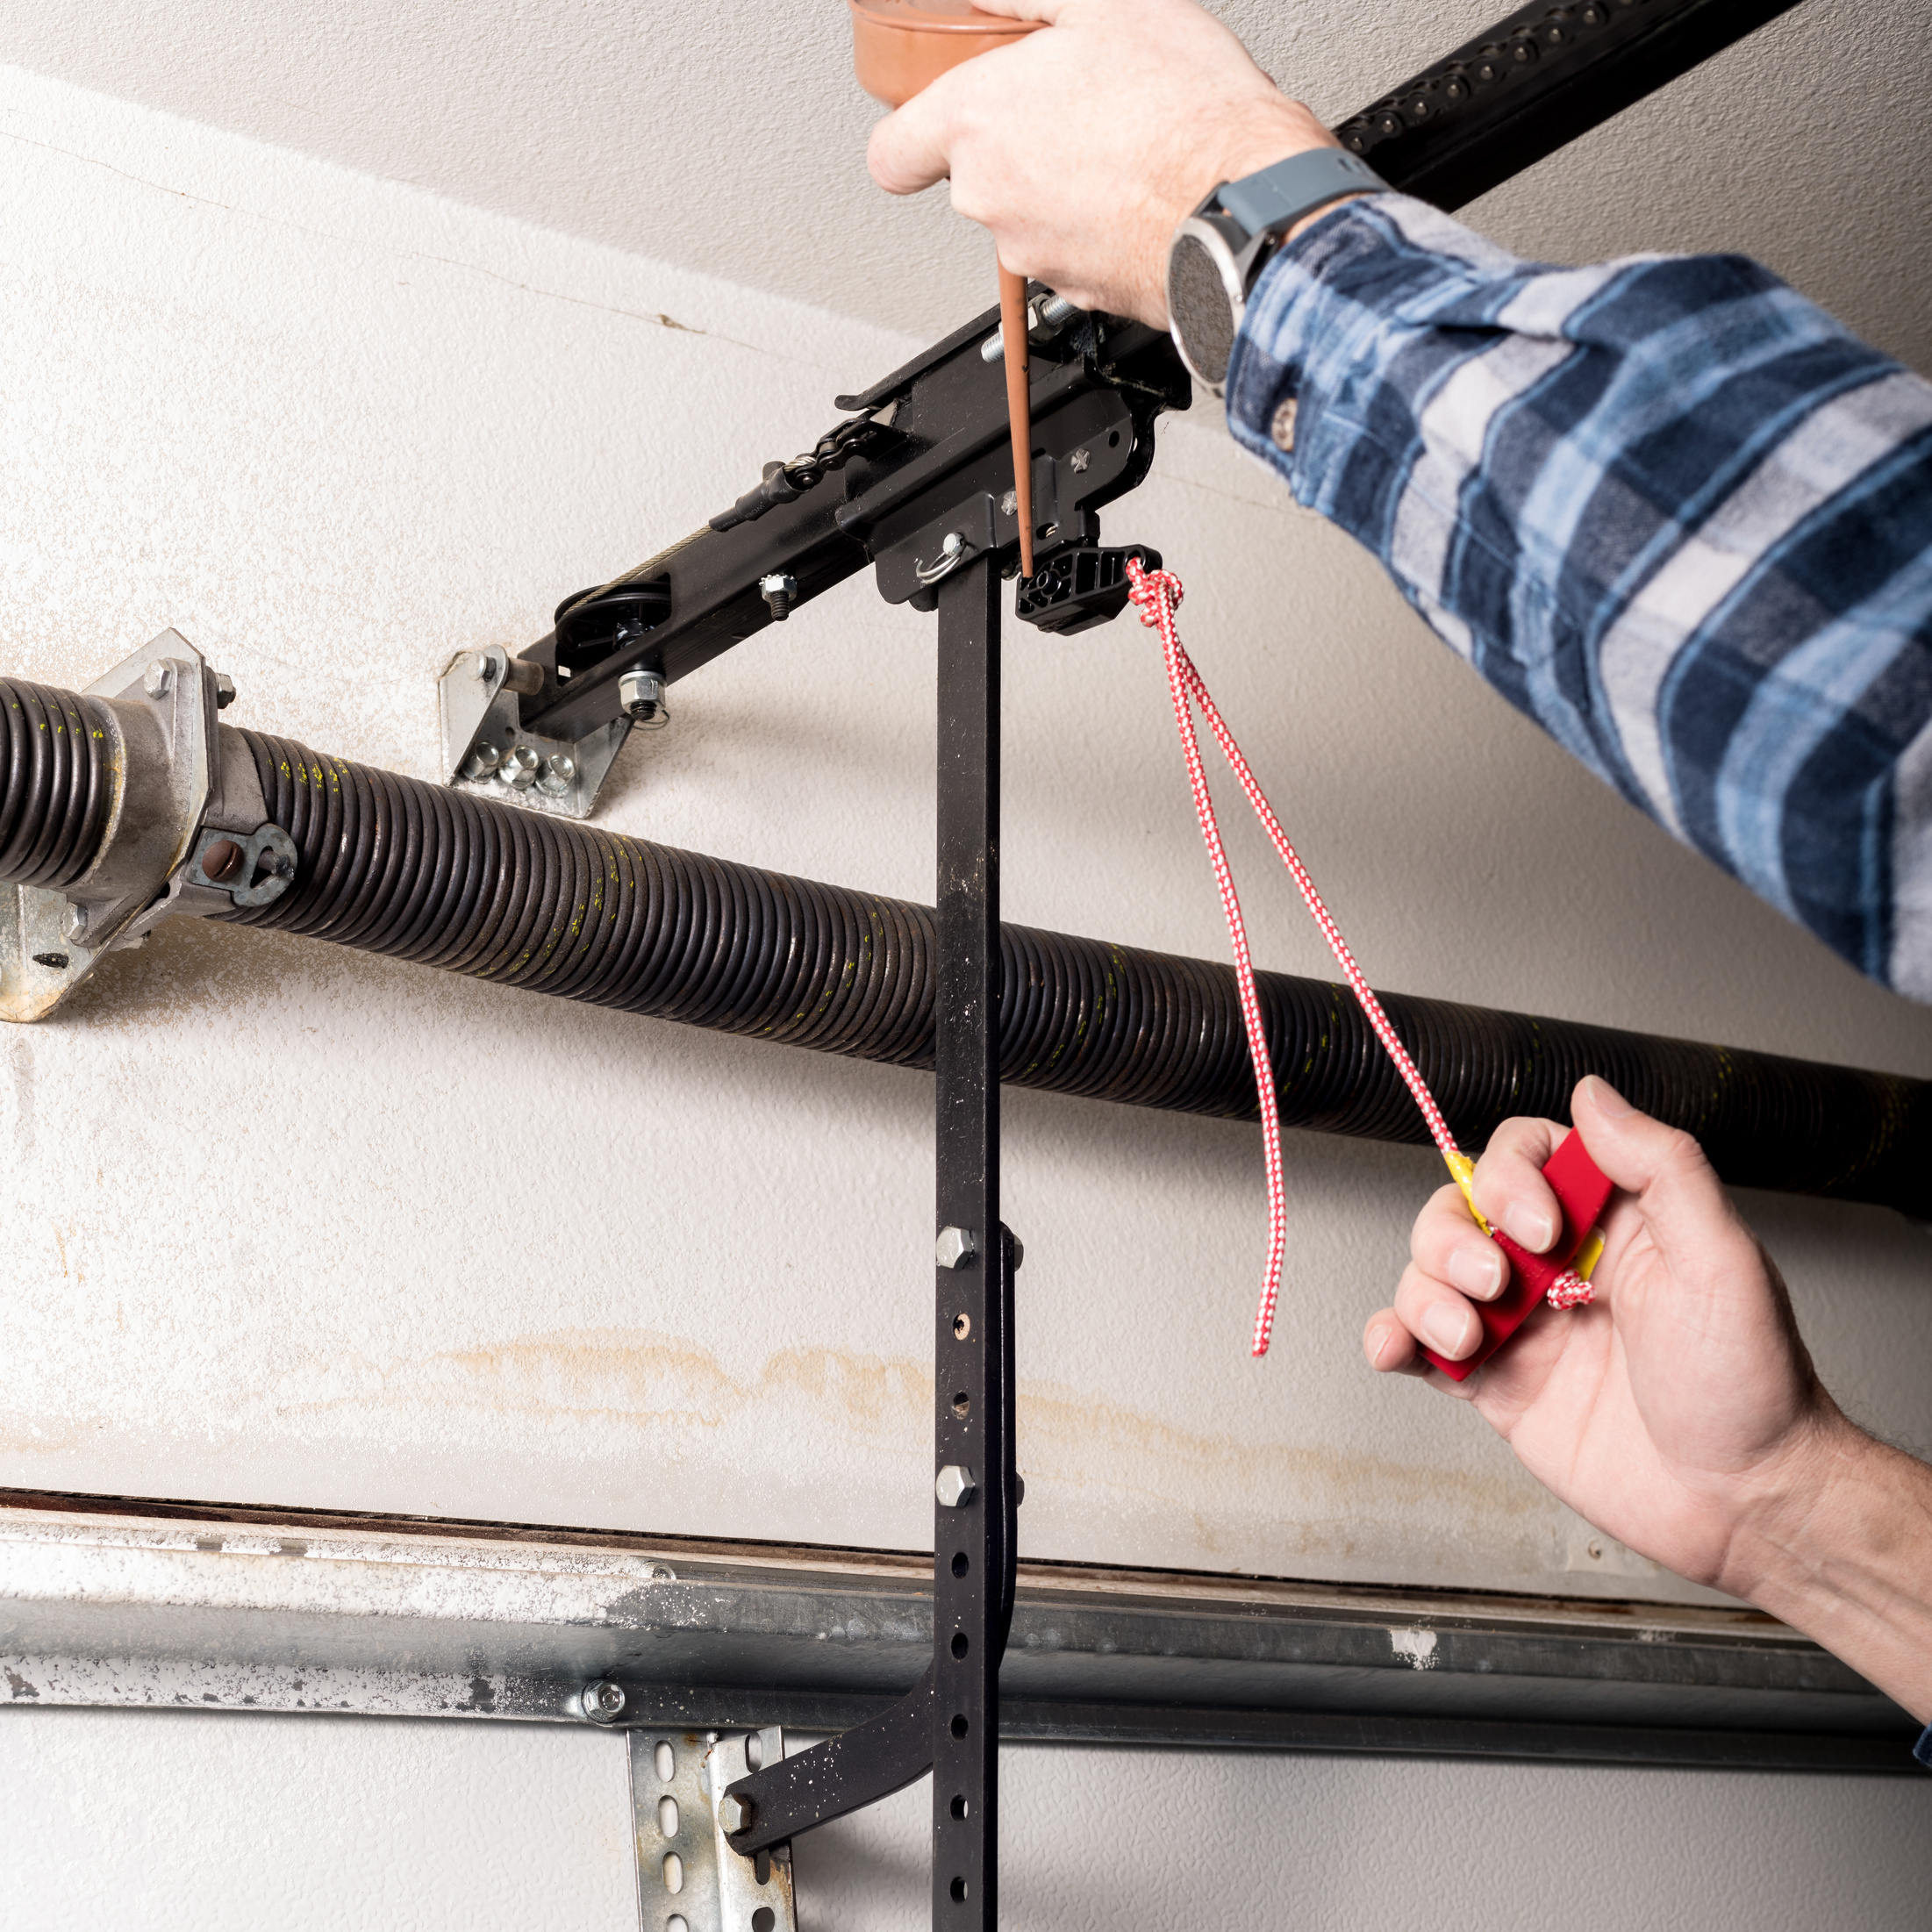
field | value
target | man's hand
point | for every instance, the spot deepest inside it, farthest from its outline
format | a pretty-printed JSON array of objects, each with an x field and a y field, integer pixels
[
  {"x": 1679, "y": 1410},
  {"x": 1082, "y": 145}
]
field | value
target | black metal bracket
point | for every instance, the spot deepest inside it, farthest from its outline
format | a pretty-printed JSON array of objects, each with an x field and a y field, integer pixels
[{"x": 950, "y": 1723}]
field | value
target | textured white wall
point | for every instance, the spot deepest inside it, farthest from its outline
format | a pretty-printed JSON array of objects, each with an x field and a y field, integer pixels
[{"x": 152, "y": 1822}]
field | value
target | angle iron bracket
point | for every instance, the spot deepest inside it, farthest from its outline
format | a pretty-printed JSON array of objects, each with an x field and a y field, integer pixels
[
  {"x": 689, "y": 1878},
  {"x": 484, "y": 744}
]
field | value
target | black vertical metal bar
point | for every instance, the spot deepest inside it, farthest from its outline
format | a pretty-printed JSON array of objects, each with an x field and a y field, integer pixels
[{"x": 972, "y": 1540}]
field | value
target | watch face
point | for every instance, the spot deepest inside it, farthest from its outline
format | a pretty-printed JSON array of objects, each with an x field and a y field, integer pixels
[{"x": 1201, "y": 308}]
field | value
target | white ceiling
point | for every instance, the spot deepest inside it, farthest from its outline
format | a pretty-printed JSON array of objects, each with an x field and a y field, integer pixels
[{"x": 731, "y": 139}]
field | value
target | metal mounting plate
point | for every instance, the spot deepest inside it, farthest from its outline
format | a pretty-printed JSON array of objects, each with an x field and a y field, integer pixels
[
  {"x": 476, "y": 707},
  {"x": 51, "y": 940},
  {"x": 688, "y": 1879}
]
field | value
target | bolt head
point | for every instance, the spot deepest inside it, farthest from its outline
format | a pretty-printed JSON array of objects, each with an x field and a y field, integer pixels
[
  {"x": 480, "y": 665},
  {"x": 155, "y": 680},
  {"x": 956, "y": 1247},
  {"x": 221, "y": 860},
  {"x": 520, "y": 768},
  {"x": 224, "y": 691},
  {"x": 951, "y": 544},
  {"x": 559, "y": 769},
  {"x": 1080, "y": 459},
  {"x": 483, "y": 759},
  {"x": 955, "y": 1486},
  {"x": 778, "y": 584},
  {"x": 734, "y": 1815},
  {"x": 602, "y": 1701}
]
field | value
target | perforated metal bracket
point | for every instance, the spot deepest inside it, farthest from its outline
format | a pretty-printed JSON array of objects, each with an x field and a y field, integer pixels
[
  {"x": 689, "y": 1880},
  {"x": 483, "y": 736}
]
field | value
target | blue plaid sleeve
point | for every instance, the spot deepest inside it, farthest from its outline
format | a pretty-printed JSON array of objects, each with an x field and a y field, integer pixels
[{"x": 1668, "y": 507}]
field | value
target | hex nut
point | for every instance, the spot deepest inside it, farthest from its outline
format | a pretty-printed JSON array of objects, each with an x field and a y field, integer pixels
[
  {"x": 955, "y": 1486},
  {"x": 602, "y": 1702},
  {"x": 483, "y": 759},
  {"x": 735, "y": 1814},
  {"x": 559, "y": 769},
  {"x": 641, "y": 694},
  {"x": 224, "y": 691},
  {"x": 519, "y": 769},
  {"x": 956, "y": 1247},
  {"x": 155, "y": 680}
]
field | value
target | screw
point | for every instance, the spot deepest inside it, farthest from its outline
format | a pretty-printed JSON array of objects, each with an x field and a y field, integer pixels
[
  {"x": 735, "y": 1814},
  {"x": 955, "y": 1487},
  {"x": 519, "y": 769},
  {"x": 778, "y": 590},
  {"x": 642, "y": 693},
  {"x": 1056, "y": 311},
  {"x": 559, "y": 769},
  {"x": 224, "y": 691},
  {"x": 1079, "y": 460},
  {"x": 993, "y": 349},
  {"x": 221, "y": 860},
  {"x": 956, "y": 1247},
  {"x": 154, "y": 680},
  {"x": 602, "y": 1701},
  {"x": 483, "y": 759},
  {"x": 1009, "y": 504}
]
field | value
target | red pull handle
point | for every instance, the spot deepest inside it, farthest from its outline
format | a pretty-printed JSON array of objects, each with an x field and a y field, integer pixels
[{"x": 1583, "y": 1191}]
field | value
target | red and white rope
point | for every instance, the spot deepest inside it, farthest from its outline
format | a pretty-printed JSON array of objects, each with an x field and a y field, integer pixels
[{"x": 1157, "y": 594}]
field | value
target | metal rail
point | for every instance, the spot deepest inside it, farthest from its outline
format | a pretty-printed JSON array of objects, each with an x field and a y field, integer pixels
[{"x": 149, "y": 1606}]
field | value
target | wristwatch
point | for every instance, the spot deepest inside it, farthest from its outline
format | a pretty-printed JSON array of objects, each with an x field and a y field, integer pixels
[{"x": 1218, "y": 253}]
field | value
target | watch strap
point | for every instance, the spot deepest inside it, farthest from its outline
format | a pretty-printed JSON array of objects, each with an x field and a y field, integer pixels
[{"x": 1275, "y": 196}]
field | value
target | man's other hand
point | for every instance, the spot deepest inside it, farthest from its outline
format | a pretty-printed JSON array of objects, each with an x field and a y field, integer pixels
[
  {"x": 1082, "y": 145},
  {"x": 1680, "y": 1411}
]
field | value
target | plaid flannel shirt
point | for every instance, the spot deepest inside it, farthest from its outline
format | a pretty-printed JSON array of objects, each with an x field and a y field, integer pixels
[{"x": 1668, "y": 507}]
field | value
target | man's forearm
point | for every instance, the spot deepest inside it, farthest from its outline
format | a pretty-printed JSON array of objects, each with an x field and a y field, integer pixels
[
  {"x": 1848, "y": 1560},
  {"x": 1668, "y": 507}
]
